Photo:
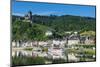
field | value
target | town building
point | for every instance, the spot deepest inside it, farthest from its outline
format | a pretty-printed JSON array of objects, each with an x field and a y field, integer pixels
[{"x": 73, "y": 39}]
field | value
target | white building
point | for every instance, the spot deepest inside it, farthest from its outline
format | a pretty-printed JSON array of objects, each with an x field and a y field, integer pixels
[
  {"x": 73, "y": 39},
  {"x": 58, "y": 43},
  {"x": 42, "y": 43},
  {"x": 15, "y": 44},
  {"x": 48, "y": 33},
  {"x": 73, "y": 42},
  {"x": 26, "y": 44},
  {"x": 89, "y": 41}
]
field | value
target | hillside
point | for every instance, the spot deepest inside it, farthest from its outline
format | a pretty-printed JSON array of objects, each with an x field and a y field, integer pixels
[
  {"x": 58, "y": 24},
  {"x": 27, "y": 31},
  {"x": 66, "y": 22}
]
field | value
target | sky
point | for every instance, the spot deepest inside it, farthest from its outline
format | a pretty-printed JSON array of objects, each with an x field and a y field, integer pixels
[{"x": 39, "y": 8}]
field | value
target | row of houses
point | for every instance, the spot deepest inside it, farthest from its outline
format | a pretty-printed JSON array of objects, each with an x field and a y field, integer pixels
[{"x": 72, "y": 40}]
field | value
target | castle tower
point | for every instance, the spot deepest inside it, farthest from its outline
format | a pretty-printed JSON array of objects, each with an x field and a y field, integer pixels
[{"x": 30, "y": 16}]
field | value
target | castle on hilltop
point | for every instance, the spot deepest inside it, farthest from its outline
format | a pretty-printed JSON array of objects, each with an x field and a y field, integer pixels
[{"x": 28, "y": 17}]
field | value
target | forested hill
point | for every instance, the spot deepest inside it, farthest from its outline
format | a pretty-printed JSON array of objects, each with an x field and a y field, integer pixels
[{"x": 65, "y": 22}]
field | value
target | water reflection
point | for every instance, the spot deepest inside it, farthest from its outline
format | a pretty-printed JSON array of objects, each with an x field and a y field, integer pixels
[
  {"x": 70, "y": 57},
  {"x": 28, "y": 53},
  {"x": 53, "y": 55}
]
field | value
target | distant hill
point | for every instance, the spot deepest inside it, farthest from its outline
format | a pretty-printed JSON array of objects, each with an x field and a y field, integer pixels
[{"x": 65, "y": 22}]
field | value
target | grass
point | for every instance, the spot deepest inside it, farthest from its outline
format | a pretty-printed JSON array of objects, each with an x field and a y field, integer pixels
[
  {"x": 30, "y": 49},
  {"x": 86, "y": 51},
  {"x": 73, "y": 51},
  {"x": 89, "y": 51},
  {"x": 17, "y": 61},
  {"x": 45, "y": 49},
  {"x": 86, "y": 46}
]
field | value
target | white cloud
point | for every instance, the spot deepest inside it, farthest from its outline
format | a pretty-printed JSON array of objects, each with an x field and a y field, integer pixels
[{"x": 18, "y": 14}]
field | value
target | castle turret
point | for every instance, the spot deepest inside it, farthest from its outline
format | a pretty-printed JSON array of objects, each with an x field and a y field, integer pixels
[{"x": 28, "y": 17}]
